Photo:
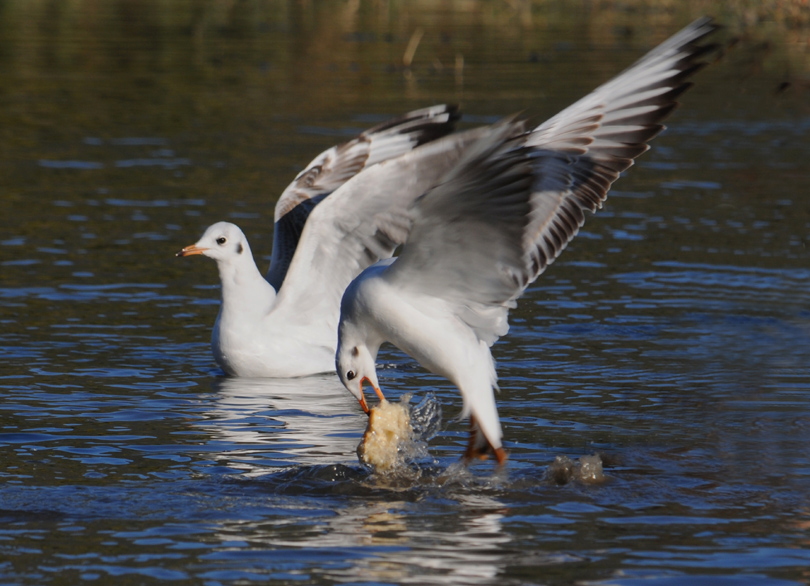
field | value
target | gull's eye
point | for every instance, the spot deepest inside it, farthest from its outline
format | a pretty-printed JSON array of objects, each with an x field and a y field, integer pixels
[
  {"x": 350, "y": 375},
  {"x": 221, "y": 240}
]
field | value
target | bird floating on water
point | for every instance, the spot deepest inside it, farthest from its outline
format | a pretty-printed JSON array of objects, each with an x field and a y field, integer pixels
[{"x": 483, "y": 233}]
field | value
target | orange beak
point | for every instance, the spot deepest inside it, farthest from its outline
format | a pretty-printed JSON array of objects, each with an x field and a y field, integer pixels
[
  {"x": 190, "y": 250},
  {"x": 363, "y": 403}
]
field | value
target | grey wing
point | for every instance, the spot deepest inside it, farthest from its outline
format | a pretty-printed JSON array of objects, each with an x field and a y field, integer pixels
[
  {"x": 516, "y": 199},
  {"x": 335, "y": 166},
  {"x": 466, "y": 241},
  {"x": 362, "y": 222},
  {"x": 581, "y": 151}
]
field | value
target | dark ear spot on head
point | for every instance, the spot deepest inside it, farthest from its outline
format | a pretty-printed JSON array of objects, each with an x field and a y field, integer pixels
[
  {"x": 239, "y": 248},
  {"x": 355, "y": 351}
]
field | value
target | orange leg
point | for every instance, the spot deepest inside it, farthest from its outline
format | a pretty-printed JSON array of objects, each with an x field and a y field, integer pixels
[{"x": 481, "y": 452}]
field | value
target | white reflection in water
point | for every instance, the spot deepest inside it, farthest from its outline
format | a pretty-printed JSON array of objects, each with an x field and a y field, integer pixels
[
  {"x": 471, "y": 553},
  {"x": 308, "y": 421},
  {"x": 385, "y": 542}
]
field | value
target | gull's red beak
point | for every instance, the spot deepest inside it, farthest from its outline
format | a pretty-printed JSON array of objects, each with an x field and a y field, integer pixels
[{"x": 189, "y": 250}]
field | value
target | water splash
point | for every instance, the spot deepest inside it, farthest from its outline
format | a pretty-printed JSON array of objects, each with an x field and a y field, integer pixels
[
  {"x": 587, "y": 470},
  {"x": 397, "y": 435}
]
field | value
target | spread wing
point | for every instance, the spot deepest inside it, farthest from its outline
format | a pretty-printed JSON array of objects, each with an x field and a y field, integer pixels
[
  {"x": 360, "y": 223},
  {"x": 516, "y": 199},
  {"x": 335, "y": 166}
]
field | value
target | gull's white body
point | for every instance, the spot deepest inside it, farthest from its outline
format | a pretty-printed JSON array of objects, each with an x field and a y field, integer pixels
[
  {"x": 250, "y": 338},
  {"x": 428, "y": 329},
  {"x": 494, "y": 222}
]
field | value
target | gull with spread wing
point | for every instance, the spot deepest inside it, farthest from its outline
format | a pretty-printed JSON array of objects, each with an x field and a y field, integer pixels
[{"x": 478, "y": 238}]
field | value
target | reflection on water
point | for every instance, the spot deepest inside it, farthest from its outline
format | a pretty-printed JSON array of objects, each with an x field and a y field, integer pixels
[
  {"x": 471, "y": 553},
  {"x": 276, "y": 422},
  {"x": 671, "y": 339}
]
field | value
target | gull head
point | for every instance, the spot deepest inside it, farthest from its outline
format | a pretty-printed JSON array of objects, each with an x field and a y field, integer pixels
[
  {"x": 355, "y": 365},
  {"x": 222, "y": 241}
]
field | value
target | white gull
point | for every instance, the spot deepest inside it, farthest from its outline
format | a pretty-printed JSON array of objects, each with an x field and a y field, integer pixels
[
  {"x": 330, "y": 224},
  {"x": 492, "y": 225}
]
